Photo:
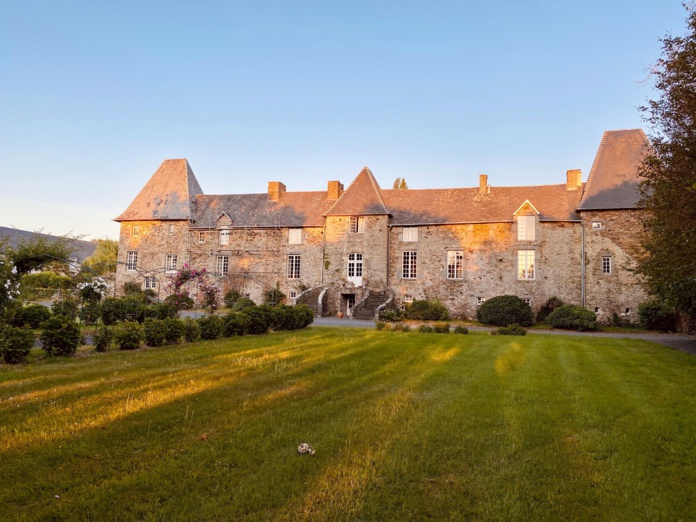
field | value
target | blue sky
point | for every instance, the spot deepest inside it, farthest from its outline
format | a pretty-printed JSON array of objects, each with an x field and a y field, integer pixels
[{"x": 95, "y": 95}]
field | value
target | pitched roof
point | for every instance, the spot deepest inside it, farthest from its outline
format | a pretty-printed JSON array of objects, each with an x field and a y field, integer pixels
[
  {"x": 362, "y": 198},
  {"x": 613, "y": 182},
  {"x": 167, "y": 195},
  {"x": 467, "y": 205},
  {"x": 80, "y": 249},
  {"x": 292, "y": 209}
]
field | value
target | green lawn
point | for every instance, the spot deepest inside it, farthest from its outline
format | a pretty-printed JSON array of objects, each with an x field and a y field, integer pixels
[{"x": 406, "y": 426}]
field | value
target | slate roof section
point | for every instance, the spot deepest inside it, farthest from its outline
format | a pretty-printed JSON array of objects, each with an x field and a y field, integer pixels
[
  {"x": 467, "y": 205},
  {"x": 613, "y": 182},
  {"x": 293, "y": 210},
  {"x": 167, "y": 195},
  {"x": 362, "y": 198},
  {"x": 79, "y": 249}
]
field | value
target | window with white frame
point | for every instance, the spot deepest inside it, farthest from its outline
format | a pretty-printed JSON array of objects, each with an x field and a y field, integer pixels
[
  {"x": 295, "y": 236},
  {"x": 606, "y": 264},
  {"x": 132, "y": 261},
  {"x": 480, "y": 301},
  {"x": 409, "y": 266},
  {"x": 596, "y": 225},
  {"x": 201, "y": 237},
  {"x": 170, "y": 262},
  {"x": 410, "y": 234},
  {"x": 526, "y": 228},
  {"x": 293, "y": 266},
  {"x": 408, "y": 298},
  {"x": 171, "y": 229},
  {"x": 222, "y": 266},
  {"x": 136, "y": 230},
  {"x": 224, "y": 237},
  {"x": 455, "y": 264},
  {"x": 527, "y": 300},
  {"x": 525, "y": 264},
  {"x": 150, "y": 283},
  {"x": 357, "y": 225},
  {"x": 355, "y": 265},
  {"x": 293, "y": 295}
]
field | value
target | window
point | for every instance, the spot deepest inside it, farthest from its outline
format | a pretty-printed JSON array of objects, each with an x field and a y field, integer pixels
[
  {"x": 224, "y": 237},
  {"x": 222, "y": 266},
  {"x": 480, "y": 301},
  {"x": 355, "y": 265},
  {"x": 408, "y": 298},
  {"x": 150, "y": 283},
  {"x": 409, "y": 265},
  {"x": 132, "y": 261},
  {"x": 293, "y": 295},
  {"x": 525, "y": 264},
  {"x": 357, "y": 225},
  {"x": 171, "y": 230},
  {"x": 295, "y": 236},
  {"x": 136, "y": 230},
  {"x": 527, "y": 300},
  {"x": 596, "y": 309},
  {"x": 526, "y": 228},
  {"x": 170, "y": 262},
  {"x": 201, "y": 237},
  {"x": 627, "y": 311},
  {"x": 596, "y": 225},
  {"x": 455, "y": 264},
  {"x": 293, "y": 266},
  {"x": 606, "y": 264},
  {"x": 410, "y": 234}
]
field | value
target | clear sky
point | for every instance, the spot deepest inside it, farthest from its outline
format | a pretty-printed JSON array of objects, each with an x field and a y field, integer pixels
[{"x": 94, "y": 95}]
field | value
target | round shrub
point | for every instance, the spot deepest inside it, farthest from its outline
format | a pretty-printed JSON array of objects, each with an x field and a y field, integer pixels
[
  {"x": 102, "y": 339},
  {"x": 459, "y": 329},
  {"x": 427, "y": 311},
  {"x": 381, "y": 325},
  {"x": 655, "y": 316},
  {"x": 259, "y": 320},
  {"x": 89, "y": 314},
  {"x": 242, "y": 304},
  {"x": 163, "y": 311},
  {"x": 180, "y": 301},
  {"x": 442, "y": 328},
  {"x": 60, "y": 335},
  {"x": 235, "y": 323},
  {"x": 426, "y": 328},
  {"x": 393, "y": 315},
  {"x": 304, "y": 315},
  {"x": 211, "y": 327},
  {"x": 549, "y": 306},
  {"x": 15, "y": 344},
  {"x": 505, "y": 310},
  {"x": 128, "y": 335},
  {"x": 192, "y": 332},
  {"x": 173, "y": 330},
  {"x": 31, "y": 316},
  {"x": 154, "y": 332},
  {"x": 112, "y": 311},
  {"x": 573, "y": 317},
  {"x": 65, "y": 307},
  {"x": 231, "y": 298}
]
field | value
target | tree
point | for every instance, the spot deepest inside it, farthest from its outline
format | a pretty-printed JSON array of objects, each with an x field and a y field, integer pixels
[
  {"x": 669, "y": 176},
  {"x": 400, "y": 183},
  {"x": 104, "y": 259}
]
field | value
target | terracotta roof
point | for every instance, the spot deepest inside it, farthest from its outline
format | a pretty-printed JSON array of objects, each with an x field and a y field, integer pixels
[
  {"x": 362, "y": 198},
  {"x": 613, "y": 182},
  {"x": 293, "y": 209},
  {"x": 80, "y": 249},
  {"x": 467, "y": 205},
  {"x": 167, "y": 195}
]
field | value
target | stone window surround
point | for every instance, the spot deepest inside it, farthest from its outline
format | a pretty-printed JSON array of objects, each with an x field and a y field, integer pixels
[
  {"x": 356, "y": 224},
  {"x": 455, "y": 264},
  {"x": 526, "y": 228},
  {"x": 294, "y": 236},
  {"x": 526, "y": 270},
  {"x": 150, "y": 283},
  {"x": 170, "y": 262},
  {"x": 294, "y": 266},
  {"x": 224, "y": 236},
  {"x": 132, "y": 260},
  {"x": 607, "y": 264},
  {"x": 222, "y": 265},
  {"x": 409, "y": 264},
  {"x": 409, "y": 235},
  {"x": 354, "y": 267}
]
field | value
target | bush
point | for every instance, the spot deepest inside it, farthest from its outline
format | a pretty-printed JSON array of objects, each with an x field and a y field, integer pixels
[
  {"x": 549, "y": 306},
  {"x": 513, "y": 329},
  {"x": 60, "y": 335},
  {"x": 42, "y": 285},
  {"x": 394, "y": 315},
  {"x": 154, "y": 332},
  {"x": 304, "y": 315},
  {"x": 427, "y": 311},
  {"x": 460, "y": 329},
  {"x": 192, "y": 331},
  {"x": 162, "y": 311},
  {"x": 89, "y": 314},
  {"x": 128, "y": 335},
  {"x": 655, "y": 316},
  {"x": 15, "y": 344},
  {"x": 573, "y": 317},
  {"x": 381, "y": 325},
  {"x": 65, "y": 307},
  {"x": 102, "y": 339},
  {"x": 180, "y": 301},
  {"x": 231, "y": 298},
  {"x": 442, "y": 328},
  {"x": 235, "y": 323},
  {"x": 274, "y": 296},
  {"x": 259, "y": 319},
  {"x": 112, "y": 311},
  {"x": 243, "y": 303},
  {"x": 31, "y": 316},
  {"x": 426, "y": 328},
  {"x": 505, "y": 310},
  {"x": 173, "y": 330},
  {"x": 211, "y": 327},
  {"x": 401, "y": 327}
]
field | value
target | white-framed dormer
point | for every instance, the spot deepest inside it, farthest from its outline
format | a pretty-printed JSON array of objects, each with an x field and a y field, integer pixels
[
  {"x": 224, "y": 224},
  {"x": 526, "y": 217}
]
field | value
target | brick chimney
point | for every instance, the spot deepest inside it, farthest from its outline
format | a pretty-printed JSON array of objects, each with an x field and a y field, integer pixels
[
  {"x": 275, "y": 190},
  {"x": 484, "y": 188},
  {"x": 335, "y": 190},
  {"x": 574, "y": 179}
]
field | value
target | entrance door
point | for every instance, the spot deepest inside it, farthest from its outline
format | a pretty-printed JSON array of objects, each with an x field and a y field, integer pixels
[
  {"x": 355, "y": 269},
  {"x": 350, "y": 304}
]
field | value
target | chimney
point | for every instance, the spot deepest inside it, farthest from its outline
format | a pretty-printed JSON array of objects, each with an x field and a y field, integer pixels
[
  {"x": 484, "y": 188},
  {"x": 335, "y": 190},
  {"x": 275, "y": 190},
  {"x": 574, "y": 179}
]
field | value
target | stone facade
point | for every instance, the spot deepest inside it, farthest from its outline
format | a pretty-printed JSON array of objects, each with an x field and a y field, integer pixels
[{"x": 460, "y": 246}]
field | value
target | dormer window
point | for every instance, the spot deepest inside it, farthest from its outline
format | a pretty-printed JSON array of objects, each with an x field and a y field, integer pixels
[
  {"x": 295, "y": 236},
  {"x": 410, "y": 234},
  {"x": 224, "y": 237},
  {"x": 357, "y": 225},
  {"x": 526, "y": 228}
]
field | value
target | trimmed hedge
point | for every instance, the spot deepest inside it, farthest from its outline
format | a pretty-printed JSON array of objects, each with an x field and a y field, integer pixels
[
  {"x": 154, "y": 332},
  {"x": 31, "y": 316},
  {"x": 573, "y": 317},
  {"x": 192, "y": 332},
  {"x": 513, "y": 329},
  {"x": 128, "y": 336},
  {"x": 210, "y": 327},
  {"x": 427, "y": 311},
  {"x": 235, "y": 323},
  {"x": 60, "y": 336},
  {"x": 173, "y": 330},
  {"x": 505, "y": 310}
]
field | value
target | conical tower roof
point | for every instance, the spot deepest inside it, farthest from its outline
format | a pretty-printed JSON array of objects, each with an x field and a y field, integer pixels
[
  {"x": 167, "y": 195},
  {"x": 362, "y": 198}
]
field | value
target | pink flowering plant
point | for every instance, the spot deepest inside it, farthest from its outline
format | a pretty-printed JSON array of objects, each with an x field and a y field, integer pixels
[
  {"x": 211, "y": 295},
  {"x": 210, "y": 292}
]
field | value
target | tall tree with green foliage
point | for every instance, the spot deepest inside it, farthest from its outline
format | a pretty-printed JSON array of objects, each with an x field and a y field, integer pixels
[
  {"x": 669, "y": 175},
  {"x": 103, "y": 261}
]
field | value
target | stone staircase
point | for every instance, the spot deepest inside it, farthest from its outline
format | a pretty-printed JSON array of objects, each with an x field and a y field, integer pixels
[
  {"x": 314, "y": 298},
  {"x": 367, "y": 308}
]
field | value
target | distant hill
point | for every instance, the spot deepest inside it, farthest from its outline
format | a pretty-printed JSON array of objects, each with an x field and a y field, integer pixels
[{"x": 81, "y": 250}]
